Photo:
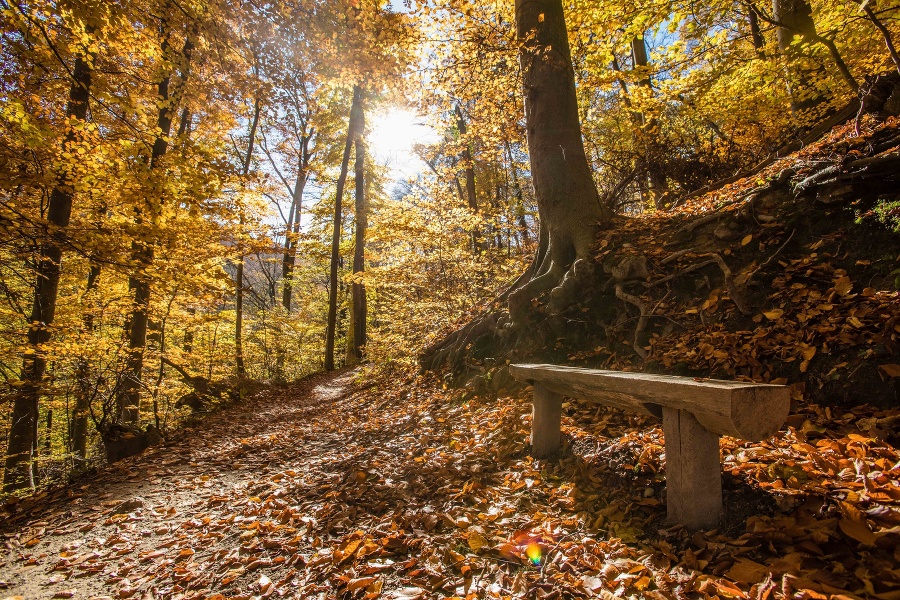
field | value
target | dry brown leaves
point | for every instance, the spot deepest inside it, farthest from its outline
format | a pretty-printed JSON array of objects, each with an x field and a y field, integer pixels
[{"x": 401, "y": 491}]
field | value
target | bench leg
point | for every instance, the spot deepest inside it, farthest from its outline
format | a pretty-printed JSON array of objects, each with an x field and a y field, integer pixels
[
  {"x": 693, "y": 472},
  {"x": 545, "y": 431}
]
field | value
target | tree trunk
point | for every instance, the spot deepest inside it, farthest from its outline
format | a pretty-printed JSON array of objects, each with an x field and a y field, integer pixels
[
  {"x": 469, "y": 171},
  {"x": 520, "y": 200},
  {"x": 866, "y": 7},
  {"x": 293, "y": 226},
  {"x": 647, "y": 139},
  {"x": 291, "y": 233},
  {"x": 467, "y": 160},
  {"x": 142, "y": 252},
  {"x": 239, "y": 276},
  {"x": 83, "y": 394},
  {"x": 187, "y": 345},
  {"x": 794, "y": 17},
  {"x": 358, "y": 290},
  {"x": 336, "y": 233},
  {"x": 568, "y": 203},
  {"x": 759, "y": 42},
  {"x": 20, "y": 450}
]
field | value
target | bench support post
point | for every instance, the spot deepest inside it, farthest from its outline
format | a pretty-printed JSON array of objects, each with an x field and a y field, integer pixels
[
  {"x": 545, "y": 426},
  {"x": 693, "y": 471}
]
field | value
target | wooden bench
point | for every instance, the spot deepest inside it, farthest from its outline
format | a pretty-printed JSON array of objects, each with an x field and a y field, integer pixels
[{"x": 695, "y": 412}]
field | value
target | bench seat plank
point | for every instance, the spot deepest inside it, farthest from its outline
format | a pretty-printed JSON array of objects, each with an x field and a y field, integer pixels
[{"x": 750, "y": 411}]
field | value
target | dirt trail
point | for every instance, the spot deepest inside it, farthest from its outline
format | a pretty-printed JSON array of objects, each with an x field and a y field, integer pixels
[{"x": 115, "y": 532}]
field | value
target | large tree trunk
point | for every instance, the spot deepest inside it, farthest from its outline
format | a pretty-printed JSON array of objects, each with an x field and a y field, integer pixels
[
  {"x": 23, "y": 426},
  {"x": 355, "y": 108},
  {"x": 239, "y": 275},
  {"x": 358, "y": 290},
  {"x": 569, "y": 206},
  {"x": 129, "y": 396}
]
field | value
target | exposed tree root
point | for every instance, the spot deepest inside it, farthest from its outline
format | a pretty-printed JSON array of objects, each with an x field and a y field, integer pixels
[
  {"x": 621, "y": 294},
  {"x": 736, "y": 296},
  {"x": 684, "y": 271},
  {"x": 769, "y": 260}
]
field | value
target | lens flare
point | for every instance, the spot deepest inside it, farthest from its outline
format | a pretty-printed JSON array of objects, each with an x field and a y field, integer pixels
[{"x": 533, "y": 552}]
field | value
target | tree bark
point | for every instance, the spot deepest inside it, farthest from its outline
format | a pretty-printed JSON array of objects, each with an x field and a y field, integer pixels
[
  {"x": 293, "y": 226},
  {"x": 239, "y": 275},
  {"x": 358, "y": 290},
  {"x": 520, "y": 200},
  {"x": 129, "y": 396},
  {"x": 866, "y": 7},
  {"x": 469, "y": 172},
  {"x": 568, "y": 203},
  {"x": 336, "y": 233},
  {"x": 759, "y": 42},
  {"x": 648, "y": 142},
  {"x": 793, "y": 18},
  {"x": 22, "y": 432},
  {"x": 83, "y": 395},
  {"x": 187, "y": 345}
]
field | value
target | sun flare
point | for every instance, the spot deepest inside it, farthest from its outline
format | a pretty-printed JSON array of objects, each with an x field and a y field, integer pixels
[{"x": 393, "y": 136}]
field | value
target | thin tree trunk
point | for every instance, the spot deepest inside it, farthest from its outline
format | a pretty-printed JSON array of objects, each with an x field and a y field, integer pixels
[
  {"x": 83, "y": 394},
  {"x": 358, "y": 290},
  {"x": 792, "y": 18},
  {"x": 648, "y": 141},
  {"x": 886, "y": 34},
  {"x": 188, "y": 342},
  {"x": 48, "y": 441},
  {"x": 467, "y": 160},
  {"x": 759, "y": 42},
  {"x": 469, "y": 171},
  {"x": 293, "y": 228},
  {"x": 336, "y": 234},
  {"x": 187, "y": 345},
  {"x": 185, "y": 126},
  {"x": 129, "y": 397},
  {"x": 520, "y": 200},
  {"x": 287, "y": 262},
  {"x": 239, "y": 276},
  {"x": 20, "y": 449}
]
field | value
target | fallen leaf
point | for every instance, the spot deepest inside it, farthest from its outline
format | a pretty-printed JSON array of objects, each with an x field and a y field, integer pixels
[
  {"x": 476, "y": 541},
  {"x": 843, "y": 285},
  {"x": 747, "y": 571},
  {"x": 891, "y": 370},
  {"x": 358, "y": 584}
]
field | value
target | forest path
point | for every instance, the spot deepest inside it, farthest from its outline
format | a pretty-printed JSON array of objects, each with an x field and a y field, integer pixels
[
  {"x": 397, "y": 488},
  {"x": 135, "y": 528}
]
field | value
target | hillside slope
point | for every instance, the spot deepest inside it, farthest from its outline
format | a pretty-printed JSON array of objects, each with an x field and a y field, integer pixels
[{"x": 789, "y": 275}]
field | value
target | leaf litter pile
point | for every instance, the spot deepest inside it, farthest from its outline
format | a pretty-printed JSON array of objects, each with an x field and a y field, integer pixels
[
  {"x": 386, "y": 485},
  {"x": 398, "y": 489}
]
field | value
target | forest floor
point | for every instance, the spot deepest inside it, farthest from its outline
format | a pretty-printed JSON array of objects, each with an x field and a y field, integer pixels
[{"x": 356, "y": 485}]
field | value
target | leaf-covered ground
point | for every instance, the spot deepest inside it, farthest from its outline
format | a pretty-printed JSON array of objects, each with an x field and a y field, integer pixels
[{"x": 396, "y": 488}]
